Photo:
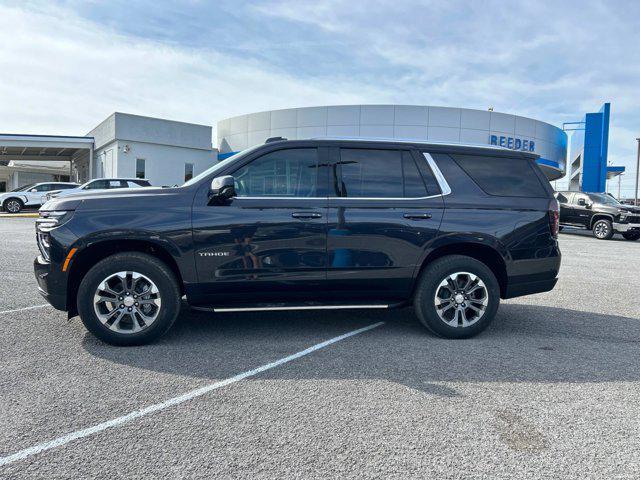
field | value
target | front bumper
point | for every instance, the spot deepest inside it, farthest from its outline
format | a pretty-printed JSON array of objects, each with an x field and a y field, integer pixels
[
  {"x": 626, "y": 227},
  {"x": 50, "y": 284}
]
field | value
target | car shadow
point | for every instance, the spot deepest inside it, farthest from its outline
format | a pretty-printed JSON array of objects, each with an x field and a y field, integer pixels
[{"x": 525, "y": 343}]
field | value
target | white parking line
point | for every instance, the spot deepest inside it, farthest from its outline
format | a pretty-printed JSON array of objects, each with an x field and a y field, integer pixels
[
  {"x": 58, "y": 442},
  {"x": 25, "y": 308}
]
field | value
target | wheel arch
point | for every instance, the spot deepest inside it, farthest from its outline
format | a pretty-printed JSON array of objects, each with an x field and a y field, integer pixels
[
  {"x": 600, "y": 216},
  {"x": 93, "y": 253},
  {"x": 489, "y": 255}
]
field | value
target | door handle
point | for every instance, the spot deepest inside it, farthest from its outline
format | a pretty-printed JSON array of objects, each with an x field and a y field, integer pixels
[
  {"x": 417, "y": 216},
  {"x": 306, "y": 215}
]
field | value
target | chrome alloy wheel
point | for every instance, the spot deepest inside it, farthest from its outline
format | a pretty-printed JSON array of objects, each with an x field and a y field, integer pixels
[
  {"x": 461, "y": 299},
  {"x": 601, "y": 229},
  {"x": 12, "y": 206},
  {"x": 127, "y": 302}
]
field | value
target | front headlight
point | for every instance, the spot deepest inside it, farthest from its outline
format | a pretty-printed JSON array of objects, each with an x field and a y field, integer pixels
[{"x": 48, "y": 221}]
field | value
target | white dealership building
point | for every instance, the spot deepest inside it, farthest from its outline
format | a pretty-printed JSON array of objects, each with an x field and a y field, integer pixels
[
  {"x": 410, "y": 122},
  {"x": 167, "y": 152}
]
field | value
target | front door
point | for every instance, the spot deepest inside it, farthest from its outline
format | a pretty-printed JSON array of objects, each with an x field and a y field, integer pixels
[
  {"x": 267, "y": 244},
  {"x": 381, "y": 216}
]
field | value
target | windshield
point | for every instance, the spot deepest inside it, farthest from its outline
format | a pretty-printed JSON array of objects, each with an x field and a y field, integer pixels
[
  {"x": 604, "y": 199},
  {"x": 219, "y": 166},
  {"x": 23, "y": 188}
]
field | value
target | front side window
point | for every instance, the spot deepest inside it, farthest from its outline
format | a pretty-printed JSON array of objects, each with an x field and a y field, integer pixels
[
  {"x": 283, "y": 173},
  {"x": 140, "y": 168},
  {"x": 580, "y": 196},
  {"x": 188, "y": 171}
]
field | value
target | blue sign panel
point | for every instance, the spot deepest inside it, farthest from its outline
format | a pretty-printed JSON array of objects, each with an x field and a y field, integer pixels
[{"x": 513, "y": 143}]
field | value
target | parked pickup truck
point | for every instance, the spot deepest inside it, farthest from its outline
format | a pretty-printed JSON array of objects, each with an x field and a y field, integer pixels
[{"x": 600, "y": 213}]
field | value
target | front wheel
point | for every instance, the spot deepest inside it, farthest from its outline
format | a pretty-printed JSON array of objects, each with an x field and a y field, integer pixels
[
  {"x": 129, "y": 299},
  {"x": 603, "y": 229},
  {"x": 457, "y": 297},
  {"x": 13, "y": 205},
  {"x": 631, "y": 236}
]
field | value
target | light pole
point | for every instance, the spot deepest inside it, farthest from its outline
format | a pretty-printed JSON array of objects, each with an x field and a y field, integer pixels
[{"x": 637, "y": 170}]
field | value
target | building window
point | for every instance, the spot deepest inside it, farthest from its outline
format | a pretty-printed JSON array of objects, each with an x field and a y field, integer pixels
[
  {"x": 188, "y": 171},
  {"x": 140, "y": 170}
]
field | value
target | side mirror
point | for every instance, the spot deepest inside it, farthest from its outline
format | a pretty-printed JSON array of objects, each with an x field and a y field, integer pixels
[
  {"x": 582, "y": 202},
  {"x": 222, "y": 188},
  {"x": 33, "y": 190}
]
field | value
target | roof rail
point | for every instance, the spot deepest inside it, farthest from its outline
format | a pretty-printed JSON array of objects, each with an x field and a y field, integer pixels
[{"x": 275, "y": 139}]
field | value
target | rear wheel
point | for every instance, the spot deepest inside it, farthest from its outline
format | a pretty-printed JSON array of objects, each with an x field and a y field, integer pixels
[
  {"x": 129, "y": 299},
  {"x": 457, "y": 297},
  {"x": 603, "y": 229},
  {"x": 13, "y": 205},
  {"x": 631, "y": 236}
]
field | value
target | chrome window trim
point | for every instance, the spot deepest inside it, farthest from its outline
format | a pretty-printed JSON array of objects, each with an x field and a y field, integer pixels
[{"x": 442, "y": 182}]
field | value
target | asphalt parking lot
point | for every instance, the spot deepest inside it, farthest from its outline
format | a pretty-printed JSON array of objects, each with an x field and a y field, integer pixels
[{"x": 551, "y": 389}]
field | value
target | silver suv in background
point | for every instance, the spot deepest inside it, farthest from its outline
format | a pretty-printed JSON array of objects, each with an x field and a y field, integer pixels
[
  {"x": 100, "y": 184},
  {"x": 31, "y": 195}
]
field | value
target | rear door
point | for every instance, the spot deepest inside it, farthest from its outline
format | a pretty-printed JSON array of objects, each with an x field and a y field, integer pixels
[{"x": 383, "y": 210}]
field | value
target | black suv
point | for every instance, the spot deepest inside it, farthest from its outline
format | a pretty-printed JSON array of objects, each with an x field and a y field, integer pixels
[
  {"x": 599, "y": 212},
  {"x": 308, "y": 224}
]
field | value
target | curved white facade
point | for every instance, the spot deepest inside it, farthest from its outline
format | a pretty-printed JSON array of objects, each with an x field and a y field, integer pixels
[{"x": 441, "y": 124}]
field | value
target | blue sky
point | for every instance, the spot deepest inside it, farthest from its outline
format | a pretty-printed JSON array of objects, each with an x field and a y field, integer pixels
[{"x": 67, "y": 65}]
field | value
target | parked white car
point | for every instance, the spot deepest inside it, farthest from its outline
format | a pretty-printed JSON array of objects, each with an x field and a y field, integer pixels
[
  {"x": 100, "y": 184},
  {"x": 32, "y": 195}
]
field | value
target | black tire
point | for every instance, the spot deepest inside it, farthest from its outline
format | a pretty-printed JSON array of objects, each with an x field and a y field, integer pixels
[
  {"x": 631, "y": 236},
  {"x": 13, "y": 205},
  {"x": 147, "y": 265},
  {"x": 428, "y": 285},
  {"x": 603, "y": 229}
]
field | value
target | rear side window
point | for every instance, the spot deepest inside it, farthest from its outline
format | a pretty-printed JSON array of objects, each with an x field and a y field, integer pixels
[
  {"x": 65, "y": 186},
  {"x": 561, "y": 197},
  {"x": 370, "y": 173},
  {"x": 502, "y": 176}
]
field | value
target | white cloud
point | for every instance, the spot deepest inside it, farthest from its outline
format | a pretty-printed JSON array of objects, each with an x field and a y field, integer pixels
[{"x": 63, "y": 75}]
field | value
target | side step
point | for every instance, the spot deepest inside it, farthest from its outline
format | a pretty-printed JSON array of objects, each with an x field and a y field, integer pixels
[{"x": 280, "y": 307}]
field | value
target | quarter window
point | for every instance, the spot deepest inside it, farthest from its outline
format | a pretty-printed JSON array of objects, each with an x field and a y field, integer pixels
[
  {"x": 502, "y": 176},
  {"x": 283, "y": 173}
]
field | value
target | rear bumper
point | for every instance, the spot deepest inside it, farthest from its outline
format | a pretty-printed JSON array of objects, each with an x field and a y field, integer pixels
[
  {"x": 50, "y": 285},
  {"x": 528, "y": 288}
]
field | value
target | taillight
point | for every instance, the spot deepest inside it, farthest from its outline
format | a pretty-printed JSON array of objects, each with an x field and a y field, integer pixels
[{"x": 554, "y": 218}]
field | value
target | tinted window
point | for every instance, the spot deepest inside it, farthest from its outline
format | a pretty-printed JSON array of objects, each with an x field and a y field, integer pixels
[
  {"x": 65, "y": 186},
  {"x": 413, "y": 184},
  {"x": 283, "y": 173},
  {"x": 561, "y": 197},
  {"x": 45, "y": 187},
  {"x": 507, "y": 177},
  {"x": 370, "y": 173}
]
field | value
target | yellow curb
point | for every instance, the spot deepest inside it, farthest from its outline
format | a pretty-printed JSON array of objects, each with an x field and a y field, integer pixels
[{"x": 19, "y": 215}]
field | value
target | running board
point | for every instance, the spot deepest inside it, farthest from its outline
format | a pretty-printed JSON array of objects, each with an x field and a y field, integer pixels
[
  {"x": 301, "y": 307},
  {"x": 288, "y": 308}
]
